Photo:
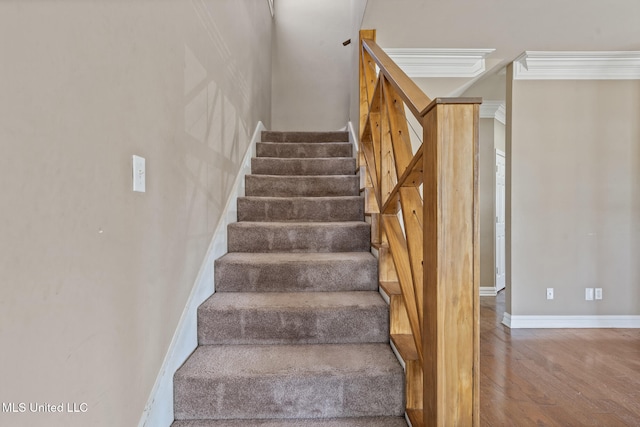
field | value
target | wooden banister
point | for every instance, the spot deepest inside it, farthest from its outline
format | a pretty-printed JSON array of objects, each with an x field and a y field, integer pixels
[
  {"x": 427, "y": 242},
  {"x": 409, "y": 91}
]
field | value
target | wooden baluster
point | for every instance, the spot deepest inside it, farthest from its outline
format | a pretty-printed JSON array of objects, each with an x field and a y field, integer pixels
[
  {"x": 376, "y": 137},
  {"x": 412, "y": 216},
  {"x": 399, "y": 130},
  {"x": 370, "y": 141},
  {"x": 367, "y": 147},
  {"x": 410, "y": 199},
  {"x": 367, "y": 79},
  {"x": 398, "y": 248},
  {"x": 388, "y": 174},
  {"x": 371, "y": 206}
]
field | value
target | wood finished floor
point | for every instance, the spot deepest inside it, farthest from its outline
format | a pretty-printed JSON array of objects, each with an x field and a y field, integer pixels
[{"x": 556, "y": 377}]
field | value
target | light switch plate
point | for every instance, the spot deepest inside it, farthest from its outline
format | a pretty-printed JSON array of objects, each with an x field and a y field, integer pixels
[
  {"x": 139, "y": 174},
  {"x": 588, "y": 294}
]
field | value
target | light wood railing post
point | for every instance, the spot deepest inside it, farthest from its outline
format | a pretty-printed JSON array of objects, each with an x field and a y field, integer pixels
[{"x": 451, "y": 293}]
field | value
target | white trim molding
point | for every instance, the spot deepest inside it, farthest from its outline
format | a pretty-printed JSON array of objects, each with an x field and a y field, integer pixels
[
  {"x": 540, "y": 322},
  {"x": 271, "y": 8},
  {"x": 494, "y": 110},
  {"x": 506, "y": 319},
  {"x": 427, "y": 62},
  {"x": 612, "y": 65},
  {"x": 353, "y": 139},
  {"x": 488, "y": 291},
  {"x": 159, "y": 408}
]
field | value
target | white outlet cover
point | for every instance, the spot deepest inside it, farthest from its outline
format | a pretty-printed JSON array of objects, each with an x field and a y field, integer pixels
[{"x": 598, "y": 293}]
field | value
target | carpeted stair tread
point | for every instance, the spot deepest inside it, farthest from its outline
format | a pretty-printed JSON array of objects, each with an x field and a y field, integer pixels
[
  {"x": 339, "y": 208},
  {"x": 301, "y": 272},
  {"x": 296, "y": 185},
  {"x": 289, "y": 381},
  {"x": 345, "y": 236},
  {"x": 293, "y": 318},
  {"x": 301, "y": 166},
  {"x": 309, "y": 422},
  {"x": 303, "y": 149},
  {"x": 296, "y": 136}
]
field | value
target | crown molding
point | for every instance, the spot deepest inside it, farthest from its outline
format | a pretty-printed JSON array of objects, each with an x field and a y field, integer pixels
[
  {"x": 423, "y": 62},
  {"x": 613, "y": 65},
  {"x": 493, "y": 110},
  {"x": 488, "y": 291}
]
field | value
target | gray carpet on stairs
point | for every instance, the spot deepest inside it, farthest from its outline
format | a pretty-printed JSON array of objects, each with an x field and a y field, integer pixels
[
  {"x": 296, "y": 272},
  {"x": 301, "y": 209},
  {"x": 310, "y": 185},
  {"x": 278, "y": 166},
  {"x": 326, "y": 422},
  {"x": 296, "y": 333},
  {"x": 279, "y": 136},
  {"x": 344, "y": 236},
  {"x": 302, "y": 150},
  {"x": 293, "y": 318},
  {"x": 289, "y": 381}
]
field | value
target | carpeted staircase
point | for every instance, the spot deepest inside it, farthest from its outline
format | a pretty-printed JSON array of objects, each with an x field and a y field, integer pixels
[{"x": 296, "y": 333}]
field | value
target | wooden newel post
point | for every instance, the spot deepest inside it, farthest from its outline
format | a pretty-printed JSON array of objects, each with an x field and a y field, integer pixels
[{"x": 451, "y": 293}]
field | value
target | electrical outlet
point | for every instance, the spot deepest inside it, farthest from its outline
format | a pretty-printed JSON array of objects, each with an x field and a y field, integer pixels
[
  {"x": 588, "y": 294},
  {"x": 598, "y": 293},
  {"x": 549, "y": 293}
]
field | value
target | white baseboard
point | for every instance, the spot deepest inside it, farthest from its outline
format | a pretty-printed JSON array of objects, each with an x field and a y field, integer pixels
[
  {"x": 406, "y": 418},
  {"x": 159, "y": 409},
  {"x": 488, "y": 291},
  {"x": 353, "y": 138},
  {"x": 521, "y": 322},
  {"x": 506, "y": 320}
]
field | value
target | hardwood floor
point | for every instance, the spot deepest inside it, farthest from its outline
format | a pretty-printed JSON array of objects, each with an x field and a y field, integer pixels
[{"x": 556, "y": 377}]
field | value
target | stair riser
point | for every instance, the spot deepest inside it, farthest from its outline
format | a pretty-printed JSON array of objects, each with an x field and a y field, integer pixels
[
  {"x": 332, "y": 237},
  {"x": 293, "y": 326},
  {"x": 321, "y": 209},
  {"x": 303, "y": 149},
  {"x": 308, "y": 276},
  {"x": 275, "y": 166},
  {"x": 244, "y": 397},
  {"x": 274, "y": 136},
  {"x": 304, "y": 186}
]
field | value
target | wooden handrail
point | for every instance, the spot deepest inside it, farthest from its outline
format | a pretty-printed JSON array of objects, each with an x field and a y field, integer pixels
[
  {"x": 427, "y": 243},
  {"x": 408, "y": 90}
]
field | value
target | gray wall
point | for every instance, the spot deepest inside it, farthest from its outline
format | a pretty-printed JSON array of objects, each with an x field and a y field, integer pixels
[
  {"x": 573, "y": 154},
  {"x": 311, "y": 68},
  {"x": 95, "y": 276},
  {"x": 358, "y": 8}
]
